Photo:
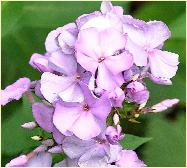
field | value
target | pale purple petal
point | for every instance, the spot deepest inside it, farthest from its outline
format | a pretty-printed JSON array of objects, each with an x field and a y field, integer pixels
[
  {"x": 56, "y": 41},
  {"x": 101, "y": 108},
  {"x": 117, "y": 97},
  {"x": 157, "y": 33},
  {"x": 65, "y": 64},
  {"x": 159, "y": 80},
  {"x": 111, "y": 41},
  {"x": 15, "y": 91},
  {"x": 52, "y": 85},
  {"x": 129, "y": 158},
  {"x": 18, "y": 161},
  {"x": 43, "y": 115},
  {"x": 81, "y": 20},
  {"x": 67, "y": 163},
  {"x": 40, "y": 62},
  {"x": 64, "y": 117},
  {"x": 74, "y": 147},
  {"x": 139, "y": 54},
  {"x": 42, "y": 159},
  {"x": 58, "y": 137},
  {"x": 94, "y": 157},
  {"x": 82, "y": 130},
  {"x": 74, "y": 93},
  {"x": 163, "y": 64},
  {"x": 130, "y": 73},
  {"x": 111, "y": 81},
  {"x": 114, "y": 152},
  {"x": 56, "y": 149},
  {"x": 119, "y": 63}
]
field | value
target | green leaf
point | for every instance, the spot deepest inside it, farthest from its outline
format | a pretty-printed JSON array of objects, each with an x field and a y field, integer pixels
[{"x": 132, "y": 142}]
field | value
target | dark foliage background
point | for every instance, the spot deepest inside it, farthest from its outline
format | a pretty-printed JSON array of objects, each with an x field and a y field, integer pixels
[{"x": 25, "y": 26}]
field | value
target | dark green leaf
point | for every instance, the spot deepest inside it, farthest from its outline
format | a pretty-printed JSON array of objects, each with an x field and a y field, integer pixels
[{"x": 132, "y": 142}]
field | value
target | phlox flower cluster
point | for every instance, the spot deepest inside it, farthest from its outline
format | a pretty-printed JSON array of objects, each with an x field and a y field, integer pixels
[{"x": 91, "y": 68}]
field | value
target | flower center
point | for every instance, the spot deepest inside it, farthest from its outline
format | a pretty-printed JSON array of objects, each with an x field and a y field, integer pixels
[
  {"x": 78, "y": 77},
  {"x": 85, "y": 107},
  {"x": 101, "y": 59}
]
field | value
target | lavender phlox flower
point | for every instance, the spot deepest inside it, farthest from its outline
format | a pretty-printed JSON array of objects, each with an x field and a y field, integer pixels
[
  {"x": 15, "y": 91},
  {"x": 67, "y": 88},
  {"x": 100, "y": 57},
  {"x": 144, "y": 39},
  {"x": 92, "y": 112}
]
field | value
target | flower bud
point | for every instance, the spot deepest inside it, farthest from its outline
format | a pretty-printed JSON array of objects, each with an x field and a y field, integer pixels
[
  {"x": 36, "y": 138},
  {"x": 113, "y": 135},
  {"x": 116, "y": 119},
  {"x": 56, "y": 149},
  {"x": 29, "y": 125},
  {"x": 136, "y": 92},
  {"x": 164, "y": 105}
]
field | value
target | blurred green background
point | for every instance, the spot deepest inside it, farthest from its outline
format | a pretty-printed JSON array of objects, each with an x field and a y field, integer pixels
[{"x": 25, "y": 26}]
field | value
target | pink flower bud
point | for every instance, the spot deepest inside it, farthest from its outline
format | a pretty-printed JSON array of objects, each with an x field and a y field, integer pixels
[
  {"x": 164, "y": 105},
  {"x": 56, "y": 149},
  {"x": 29, "y": 125},
  {"x": 116, "y": 119},
  {"x": 113, "y": 135}
]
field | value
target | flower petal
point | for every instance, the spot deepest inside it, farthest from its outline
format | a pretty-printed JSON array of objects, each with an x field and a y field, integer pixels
[
  {"x": 66, "y": 64},
  {"x": 43, "y": 115},
  {"x": 64, "y": 117},
  {"x": 163, "y": 63},
  {"x": 52, "y": 85},
  {"x": 15, "y": 90},
  {"x": 82, "y": 130},
  {"x": 42, "y": 159}
]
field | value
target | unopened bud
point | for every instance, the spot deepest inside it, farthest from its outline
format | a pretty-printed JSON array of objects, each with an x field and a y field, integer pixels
[
  {"x": 142, "y": 105},
  {"x": 40, "y": 148},
  {"x": 164, "y": 105},
  {"x": 36, "y": 138},
  {"x": 29, "y": 125},
  {"x": 136, "y": 115},
  {"x": 56, "y": 149},
  {"x": 116, "y": 119},
  {"x": 48, "y": 142}
]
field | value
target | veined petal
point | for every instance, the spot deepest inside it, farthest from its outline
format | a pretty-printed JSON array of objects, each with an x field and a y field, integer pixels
[
  {"x": 64, "y": 117},
  {"x": 74, "y": 93},
  {"x": 52, "y": 85},
  {"x": 138, "y": 53},
  {"x": 15, "y": 90},
  {"x": 157, "y": 33},
  {"x": 43, "y": 115},
  {"x": 163, "y": 64},
  {"x": 65, "y": 64},
  {"x": 119, "y": 63},
  {"x": 86, "y": 126}
]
